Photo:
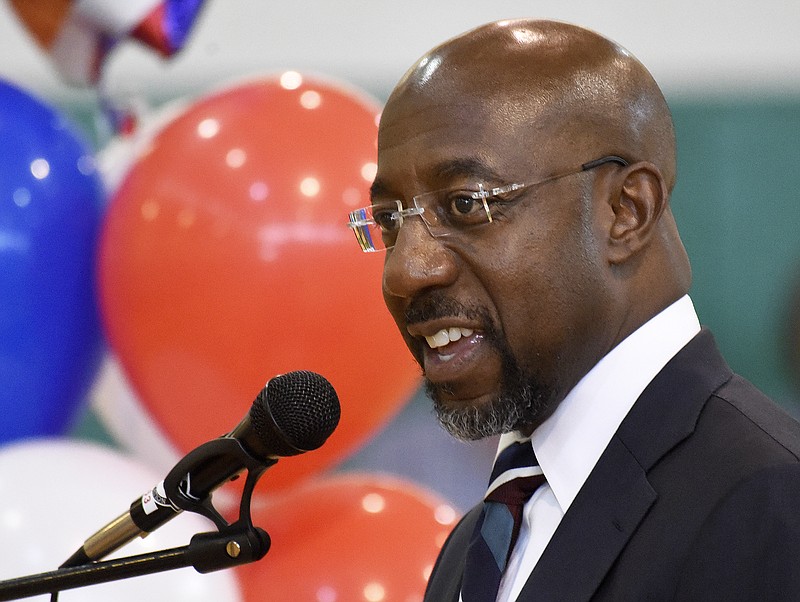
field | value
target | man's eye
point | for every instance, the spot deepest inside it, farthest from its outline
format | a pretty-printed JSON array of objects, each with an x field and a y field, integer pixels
[
  {"x": 387, "y": 220},
  {"x": 464, "y": 204},
  {"x": 465, "y": 208}
]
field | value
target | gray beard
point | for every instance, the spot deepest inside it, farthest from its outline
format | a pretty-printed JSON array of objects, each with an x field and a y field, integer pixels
[
  {"x": 523, "y": 400},
  {"x": 502, "y": 415}
]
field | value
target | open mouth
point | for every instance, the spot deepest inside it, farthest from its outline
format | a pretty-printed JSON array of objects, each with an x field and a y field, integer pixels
[
  {"x": 445, "y": 337},
  {"x": 452, "y": 352}
]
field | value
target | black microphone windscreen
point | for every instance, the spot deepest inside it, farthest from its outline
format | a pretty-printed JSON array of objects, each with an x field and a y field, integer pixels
[{"x": 303, "y": 406}]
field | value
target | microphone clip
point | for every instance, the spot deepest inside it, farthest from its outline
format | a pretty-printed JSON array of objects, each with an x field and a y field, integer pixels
[{"x": 249, "y": 543}]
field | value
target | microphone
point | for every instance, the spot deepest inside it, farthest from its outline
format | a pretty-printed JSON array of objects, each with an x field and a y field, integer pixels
[{"x": 294, "y": 413}]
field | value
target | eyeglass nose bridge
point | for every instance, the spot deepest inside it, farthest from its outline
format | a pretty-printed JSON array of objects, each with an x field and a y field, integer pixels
[
  {"x": 404, "y": 212},
  {"x": 414, "y": 210}
]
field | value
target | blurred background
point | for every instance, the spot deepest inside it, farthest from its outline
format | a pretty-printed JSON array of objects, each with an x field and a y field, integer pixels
[{"x": 173, "y": 192}]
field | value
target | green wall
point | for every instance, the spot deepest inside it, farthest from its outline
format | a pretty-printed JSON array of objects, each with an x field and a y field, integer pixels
[{"x": 737, "y": 202}]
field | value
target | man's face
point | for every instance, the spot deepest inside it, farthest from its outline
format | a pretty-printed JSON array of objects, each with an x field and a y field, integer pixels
[{"x": 506, "y": 320}]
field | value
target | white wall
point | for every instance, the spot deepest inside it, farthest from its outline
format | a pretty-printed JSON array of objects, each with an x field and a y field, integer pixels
[{"x": 691, "y": 46}]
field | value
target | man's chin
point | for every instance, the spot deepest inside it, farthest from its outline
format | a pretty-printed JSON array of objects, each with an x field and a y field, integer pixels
[
  {"x": 471, "y": 420},
  {"x": 518, "y": 409}
]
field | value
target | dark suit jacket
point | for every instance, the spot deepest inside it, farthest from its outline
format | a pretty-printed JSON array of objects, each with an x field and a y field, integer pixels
[{"x": 696, "y": 497}]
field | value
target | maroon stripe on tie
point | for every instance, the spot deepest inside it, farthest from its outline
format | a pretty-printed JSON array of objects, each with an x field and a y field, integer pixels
[{"x": 496, "y": 532}]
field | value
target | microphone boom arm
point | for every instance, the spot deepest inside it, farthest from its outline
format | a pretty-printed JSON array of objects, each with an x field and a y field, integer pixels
[{"x": 206, "y": 552}]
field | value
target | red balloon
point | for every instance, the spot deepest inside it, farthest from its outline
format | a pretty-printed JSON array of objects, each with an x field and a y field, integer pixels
[
  {"x": 226, "y": 260},
  {"x": 349, "y": 537}
]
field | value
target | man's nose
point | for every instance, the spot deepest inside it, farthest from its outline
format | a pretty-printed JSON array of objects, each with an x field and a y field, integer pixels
[{"x": 417, "y": 261}]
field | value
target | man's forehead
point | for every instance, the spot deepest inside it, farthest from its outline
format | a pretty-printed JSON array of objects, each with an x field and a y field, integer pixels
[
  {"x": 432, "y": 109},
  {"x": 463, "y": 137},
  {"x": 471, "y": 119}
]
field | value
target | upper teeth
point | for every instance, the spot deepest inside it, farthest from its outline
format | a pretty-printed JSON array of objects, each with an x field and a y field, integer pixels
[{"x": 447, "y": 335}]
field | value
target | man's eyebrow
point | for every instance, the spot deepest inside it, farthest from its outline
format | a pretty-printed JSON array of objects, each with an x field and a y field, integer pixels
[
  {"x": 443, "y": 171},
  {"x": 464, "y": 167}
]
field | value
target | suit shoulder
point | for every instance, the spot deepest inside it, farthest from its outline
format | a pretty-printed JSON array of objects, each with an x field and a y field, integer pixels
[{"x": 749, "y": 408}]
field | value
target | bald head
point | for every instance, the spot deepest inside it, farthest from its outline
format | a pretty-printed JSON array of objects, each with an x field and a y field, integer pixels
[
  {"x": 574, "y": 249},
  {"x": 571, "y": 84}
]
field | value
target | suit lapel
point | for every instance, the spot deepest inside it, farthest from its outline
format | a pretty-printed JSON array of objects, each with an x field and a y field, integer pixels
[
  {"x": 592, "y": 533},
  {"x": 617, "y": 494}
]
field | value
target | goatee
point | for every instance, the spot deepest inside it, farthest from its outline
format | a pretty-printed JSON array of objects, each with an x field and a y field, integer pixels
[
  {"x": 523, "y": 399},
  {"x": 520, "y": 403}
]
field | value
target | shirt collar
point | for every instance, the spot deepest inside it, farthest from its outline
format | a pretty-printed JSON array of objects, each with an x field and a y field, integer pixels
[{"x": 569, "y": 443}]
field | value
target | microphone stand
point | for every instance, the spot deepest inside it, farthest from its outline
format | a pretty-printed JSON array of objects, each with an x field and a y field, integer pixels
[
  {"x": 232, "y": 545},
  {"x": 206, "y": 552}
]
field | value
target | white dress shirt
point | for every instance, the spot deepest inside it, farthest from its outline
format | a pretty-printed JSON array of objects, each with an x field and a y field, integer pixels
[{"x": 569, "y": 443}]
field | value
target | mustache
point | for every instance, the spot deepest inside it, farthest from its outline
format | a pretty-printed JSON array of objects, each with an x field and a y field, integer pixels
[{"x": 435, "y": 305}]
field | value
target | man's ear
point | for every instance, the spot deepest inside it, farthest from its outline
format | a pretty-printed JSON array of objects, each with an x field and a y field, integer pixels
[{"x": 639, "y": 201}]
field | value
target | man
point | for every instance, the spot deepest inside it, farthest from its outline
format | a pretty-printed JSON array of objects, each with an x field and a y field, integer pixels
[{"x": 535, "y": 270}]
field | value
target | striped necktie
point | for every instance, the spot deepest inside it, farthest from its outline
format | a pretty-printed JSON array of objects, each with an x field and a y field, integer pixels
[{"x": 515, "y": 477}]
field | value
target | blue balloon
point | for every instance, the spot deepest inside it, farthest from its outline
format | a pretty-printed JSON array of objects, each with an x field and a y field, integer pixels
[{"x": 51, "y": 205}]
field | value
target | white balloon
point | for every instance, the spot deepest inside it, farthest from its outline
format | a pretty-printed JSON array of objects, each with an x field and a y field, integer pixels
[
  {"x": 57, "y": 492},
  {"x": 129, "y": 423}
]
